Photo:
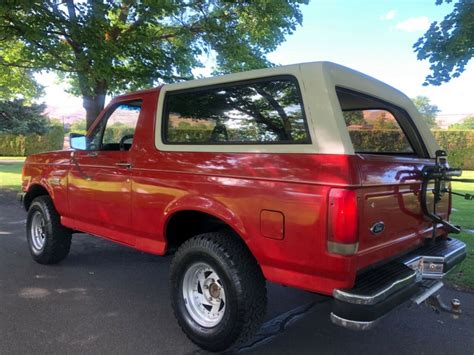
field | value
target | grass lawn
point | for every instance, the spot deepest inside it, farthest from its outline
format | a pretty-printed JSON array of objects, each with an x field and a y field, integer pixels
[
  {"x": 12, "y": 158},
  {"x": 10, "y": 176},
  {"x": 463, "y": 214}
]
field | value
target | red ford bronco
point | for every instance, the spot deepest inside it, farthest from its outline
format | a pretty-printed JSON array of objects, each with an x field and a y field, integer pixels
[{"x": 312, "y": 176}]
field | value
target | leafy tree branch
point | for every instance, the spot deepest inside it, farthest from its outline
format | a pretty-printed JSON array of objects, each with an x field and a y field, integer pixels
[
  {"x": 106, "y": 47},
  {"x": 448, "y": 45}
]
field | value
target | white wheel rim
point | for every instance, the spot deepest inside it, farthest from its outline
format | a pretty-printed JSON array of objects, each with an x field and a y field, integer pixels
[
  {"x": 204, "y": 295},
  {"x": 38, "y": 232}
]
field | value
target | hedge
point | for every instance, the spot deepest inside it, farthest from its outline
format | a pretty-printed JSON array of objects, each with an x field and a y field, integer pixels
[
  {"x": 19, "y": 145},
  {"x": 379, "y": 141},
  {"x": 12, "y": 145},
  {"x": 458, "y": 143},
  {"x": 114, "y": 134}
]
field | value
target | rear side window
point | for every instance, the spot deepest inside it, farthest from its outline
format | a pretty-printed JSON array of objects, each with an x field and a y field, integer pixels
[
  {"x": 376, "y": 131},
  {"x": 377, "y": 127},
  {"x": 266, "y": 111}
]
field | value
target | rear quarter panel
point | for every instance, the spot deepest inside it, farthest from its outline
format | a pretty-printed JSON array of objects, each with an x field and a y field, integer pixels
[{"x": 236, "y": 188}]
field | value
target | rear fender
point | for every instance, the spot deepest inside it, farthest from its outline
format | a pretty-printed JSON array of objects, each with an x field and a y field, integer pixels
[{"x": 209, "y": 206}]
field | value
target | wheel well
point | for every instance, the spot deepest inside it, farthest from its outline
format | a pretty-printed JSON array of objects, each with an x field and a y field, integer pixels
[
  {"x": 33, "y": 192},
  {"x": 184, "y": 225}
]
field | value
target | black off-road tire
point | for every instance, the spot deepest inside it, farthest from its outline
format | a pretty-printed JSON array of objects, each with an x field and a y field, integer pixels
[
  {"x": 57, "y": 238},
  {"x": 243, "y": 282}
]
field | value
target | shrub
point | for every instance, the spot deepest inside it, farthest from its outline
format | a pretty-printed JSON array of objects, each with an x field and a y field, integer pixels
[
  {"x": 78, "y": 127},
  {"x": 459, "y": 145},
  {"x": 380, "y": 140},
  {"x": 12, "y": 145},
  {"x": 115, "y": 133},
  {"x": 23, "y": 145}
]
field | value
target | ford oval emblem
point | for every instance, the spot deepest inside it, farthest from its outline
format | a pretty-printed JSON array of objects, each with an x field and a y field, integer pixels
[{"x": 377, "y": 228}]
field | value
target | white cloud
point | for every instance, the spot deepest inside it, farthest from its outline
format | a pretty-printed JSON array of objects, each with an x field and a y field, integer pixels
[
  {"x": 414, "y": 24},
  {"x": 389, "y": 15}
]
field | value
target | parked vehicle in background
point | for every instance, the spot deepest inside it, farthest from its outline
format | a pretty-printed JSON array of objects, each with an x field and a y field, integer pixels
[{"x": 312, "y": 176}]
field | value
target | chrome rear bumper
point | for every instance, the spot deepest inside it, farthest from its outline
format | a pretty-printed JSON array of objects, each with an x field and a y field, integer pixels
[
  {"x": 439, "y": 258},
  {"x": 380, "y": 290}
]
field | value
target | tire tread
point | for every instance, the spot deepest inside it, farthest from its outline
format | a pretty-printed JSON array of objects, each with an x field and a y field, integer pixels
[
  {"x": 247, "y": 277},
  {"x": 58, "y": 242}
]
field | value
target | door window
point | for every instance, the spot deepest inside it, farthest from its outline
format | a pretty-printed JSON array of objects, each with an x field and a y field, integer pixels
[{"x": 117, "y": 128}]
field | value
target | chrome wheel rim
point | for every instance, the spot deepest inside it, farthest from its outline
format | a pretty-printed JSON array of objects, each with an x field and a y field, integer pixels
[
  {"x": 38, "y": 232},
  {"x": 204, "y": 295}
]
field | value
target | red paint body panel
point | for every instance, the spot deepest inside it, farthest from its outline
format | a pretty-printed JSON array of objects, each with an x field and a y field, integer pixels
[
  {"x": 390, "y": 192},
  {"x": 134, "y": 206}
]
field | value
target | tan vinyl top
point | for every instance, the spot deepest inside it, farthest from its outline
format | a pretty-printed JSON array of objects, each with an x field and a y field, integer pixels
[{"x": 317, "y": 81}]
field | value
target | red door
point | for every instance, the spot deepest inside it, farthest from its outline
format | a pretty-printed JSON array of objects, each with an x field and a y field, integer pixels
[{"x": 99, "y": 183}]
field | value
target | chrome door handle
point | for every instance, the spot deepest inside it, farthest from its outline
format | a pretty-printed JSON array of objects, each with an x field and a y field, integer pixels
[
  {"x": 92, "y": 154},
  {"x": 124, "y": 165}
]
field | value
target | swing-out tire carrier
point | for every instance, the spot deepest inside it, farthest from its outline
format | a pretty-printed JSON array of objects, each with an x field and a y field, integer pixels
[{"x": 378, "y": 291}]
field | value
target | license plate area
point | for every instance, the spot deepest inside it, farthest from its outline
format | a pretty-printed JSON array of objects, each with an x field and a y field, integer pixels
[
  {"x": 416, "y": 264},
  {"x": 426, "y": 267},
  {"x": 433, "y": 267},
  {"x": 434, "y": 260}
]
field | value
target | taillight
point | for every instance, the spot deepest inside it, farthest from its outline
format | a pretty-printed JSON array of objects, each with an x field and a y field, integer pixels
[{"x": 342, "y": 222}]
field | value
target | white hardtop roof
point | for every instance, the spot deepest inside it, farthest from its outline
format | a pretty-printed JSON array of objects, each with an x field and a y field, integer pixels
[
  {"x": 317, "y": 81},
  {"x": 320, "y": 68}
]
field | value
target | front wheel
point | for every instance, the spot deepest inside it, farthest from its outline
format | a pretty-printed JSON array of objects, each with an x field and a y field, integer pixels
[
  {"x": 49, "y": 241},
  {"x": 218, "y": 291}
]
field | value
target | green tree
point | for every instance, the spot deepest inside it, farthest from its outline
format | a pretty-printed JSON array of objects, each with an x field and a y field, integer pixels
[
  {"x": 105, "y": 47},
  {"x": 427, "y": 110},
  {"x": 355, "y": 117},
  {"x": 449, "y": 44},
  {"x": 16, "y": 82},
  {"x": 466, "y": 123},
  {"x": 18, "y": 118},
  {"x": 78, "y": 126}
]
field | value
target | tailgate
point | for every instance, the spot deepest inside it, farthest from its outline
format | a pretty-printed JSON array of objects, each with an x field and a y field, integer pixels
[
  {"x": 390, "y": 154},
  {"x": 390, "y": 217}
]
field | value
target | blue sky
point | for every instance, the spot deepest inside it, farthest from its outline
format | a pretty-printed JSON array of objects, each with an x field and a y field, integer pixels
[
  {"x": 374, "y": 37},
  {"x": 377, "y": 37}
]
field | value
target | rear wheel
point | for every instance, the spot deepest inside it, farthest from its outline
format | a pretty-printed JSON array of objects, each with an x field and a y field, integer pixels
[
  {"x": 218, "y": 291},
  {"x": 49, "y": 242}
]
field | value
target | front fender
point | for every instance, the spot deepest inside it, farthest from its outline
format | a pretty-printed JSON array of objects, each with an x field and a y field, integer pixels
[{"x": 39, "y": 179}]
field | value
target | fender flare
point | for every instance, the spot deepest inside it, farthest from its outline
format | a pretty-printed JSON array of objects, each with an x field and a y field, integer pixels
[
  {"x": 208, "y": 206},
  {"x": 41, "y": 183}
]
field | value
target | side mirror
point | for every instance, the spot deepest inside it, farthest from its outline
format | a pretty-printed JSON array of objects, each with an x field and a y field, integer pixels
[{"x": 78, "y": 141}]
